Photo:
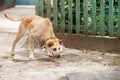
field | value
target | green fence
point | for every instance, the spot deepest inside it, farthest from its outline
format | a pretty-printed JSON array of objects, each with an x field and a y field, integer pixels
[{"x": 89, "y": 17}]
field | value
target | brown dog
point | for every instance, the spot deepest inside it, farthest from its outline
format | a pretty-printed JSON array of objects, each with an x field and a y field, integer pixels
[{"x": 37, "y": 27}]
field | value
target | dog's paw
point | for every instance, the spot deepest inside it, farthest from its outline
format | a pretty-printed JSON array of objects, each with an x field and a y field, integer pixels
[
  {"x": 31, "y": 56},
  {"x": 12, "y": 54},
  {"x": 50, "y": 55}
]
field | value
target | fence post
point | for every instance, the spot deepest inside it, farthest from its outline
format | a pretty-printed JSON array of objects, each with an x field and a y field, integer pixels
[
  {"x": 37, "y": 7},
  {"x": 111, "y": 18},
  {"x": 118, "y": 18},
  {"x": 70, "y": 22},
  {"x": 94, "y": 16},
  {"x": 41, "y": 7},
  {"x": 77, "y": 16},
  {"x": 85, "y": 16},
  {"x": 102, "y": 16},
  {"x": 62, "y": 19},
  {"x": 55, "y": 16},
  {"x": 48, "y": 9}
]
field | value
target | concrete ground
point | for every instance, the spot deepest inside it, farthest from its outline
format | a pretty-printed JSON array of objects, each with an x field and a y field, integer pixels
[{"x": 44, "y": 67}]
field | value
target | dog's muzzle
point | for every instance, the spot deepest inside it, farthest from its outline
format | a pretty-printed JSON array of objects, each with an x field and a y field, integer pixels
[{"x": 56, "y": 56}]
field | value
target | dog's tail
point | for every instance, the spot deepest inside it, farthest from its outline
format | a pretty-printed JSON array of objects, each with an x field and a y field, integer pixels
[{"x": 12, "y": 18}]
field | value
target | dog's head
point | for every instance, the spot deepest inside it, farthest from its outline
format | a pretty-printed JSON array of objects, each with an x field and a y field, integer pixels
[{"x": 54, "y": 46}]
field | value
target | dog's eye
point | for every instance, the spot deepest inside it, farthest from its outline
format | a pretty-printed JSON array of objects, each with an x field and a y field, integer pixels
[
  {"x": 59, "y": 48},
  {"x": 54, "y": 49}
]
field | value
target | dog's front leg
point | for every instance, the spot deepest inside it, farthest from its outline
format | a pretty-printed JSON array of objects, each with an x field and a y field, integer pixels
[{"x": 31, "y": 46}]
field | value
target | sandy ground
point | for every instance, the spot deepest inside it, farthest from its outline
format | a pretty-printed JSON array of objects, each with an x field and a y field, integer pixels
[
  {"x": 47, "y": 68},
  {"x": 44, "y": 67}
]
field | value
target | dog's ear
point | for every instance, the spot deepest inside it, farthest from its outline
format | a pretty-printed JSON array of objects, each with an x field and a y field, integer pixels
[
  {"x": 61, "y": 41},
  {"x": 50, "y": 44}
]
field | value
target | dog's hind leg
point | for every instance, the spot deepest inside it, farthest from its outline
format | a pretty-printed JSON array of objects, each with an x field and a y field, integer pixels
[
  {"x": 31, "y": 46},
  {"x": 18, "y": 37}
]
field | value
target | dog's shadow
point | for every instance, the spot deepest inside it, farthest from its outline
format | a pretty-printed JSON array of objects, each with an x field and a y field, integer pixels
[
  {"x": 23, "y": 56},
  {"x": 41, "y": 55}
]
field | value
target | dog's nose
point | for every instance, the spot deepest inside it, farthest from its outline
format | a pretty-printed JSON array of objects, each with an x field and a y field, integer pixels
[{"x": 58, "y": 56}]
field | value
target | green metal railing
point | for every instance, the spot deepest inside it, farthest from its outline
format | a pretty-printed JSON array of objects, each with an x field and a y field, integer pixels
[{"x": 90, "y": 17}]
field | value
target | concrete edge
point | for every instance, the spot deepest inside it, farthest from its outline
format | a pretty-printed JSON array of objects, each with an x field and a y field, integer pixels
[{"x": 77, "y": 41}]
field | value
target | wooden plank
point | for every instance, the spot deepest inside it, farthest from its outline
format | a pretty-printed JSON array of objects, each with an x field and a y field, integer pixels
[
  {"x": 70, "y": 22},
  {"x": 77, "y": 16},
  {"x": 102, "y": 16},
  {"x": 62, "y": 19},
  {"x": 94, "y": 17},
  {"x": 111, "y": 18},
  {"x": 55, "y": 17},
  {"x": 37, "y": 7},
  {"x": 85, "y": 16},
  {"x": 41, "y": 6},
  {"x": 118, "y": 18},
  {"x": 48, "y": 14}
]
